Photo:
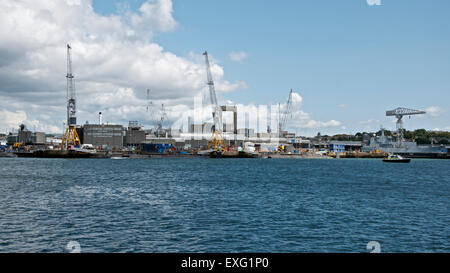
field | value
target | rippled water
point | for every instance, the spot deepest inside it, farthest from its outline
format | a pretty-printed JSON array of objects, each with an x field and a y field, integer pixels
[{"x": 224, "y": 205}]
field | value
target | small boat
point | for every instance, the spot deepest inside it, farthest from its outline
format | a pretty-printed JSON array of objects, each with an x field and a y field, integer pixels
[
  {"x": 119, "y": 157},
  {"x": 396, "y": 159}
]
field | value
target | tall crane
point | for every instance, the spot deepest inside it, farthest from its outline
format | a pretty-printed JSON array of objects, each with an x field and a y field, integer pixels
[
  {"x": 150, "y": 110},
  {"x": 71, "y": 136},
  {"x": 217, "y": 142},
  {"x": 282, "y": 119},
  {"x": 160, "y": 129},
  {"x": 399, "y": 113},
  {"x": 149, "y": 102}
]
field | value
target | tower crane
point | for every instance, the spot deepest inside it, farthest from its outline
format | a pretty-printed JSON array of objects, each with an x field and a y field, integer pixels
[
  {"x": 399, "y": 113},
  {"x": 285, "y": 115},
  {"x": 217, "y": 142},
  {"x": 70, "y": 136}
]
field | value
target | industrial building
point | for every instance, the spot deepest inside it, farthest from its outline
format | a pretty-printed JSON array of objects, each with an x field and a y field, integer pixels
[
  {"x": 26, "y": 137},
  {"x": 345, "y": 146},
  {"x": 134, "y": 135},
  {"x": 11, "y": 139},
  {"x": 38, "y": 138},
  {"x": 105, "y": 135}
]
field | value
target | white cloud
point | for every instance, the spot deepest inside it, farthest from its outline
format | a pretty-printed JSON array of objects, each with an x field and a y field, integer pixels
[
  {"x": 296, "y": 98},
  {"x": 445, "y": 129},
  {"x": 373, "y": 2},
  {"x": 434, "y": 111},
  {"x": 114, "y": 62},
  {"x": 369, "y": 121},
  {"x": 11, "y": 119},
  {"x": 296, "y": 120},
  {"x": 238, "y": 56},
  {"x": 73, "y": 2},
  {"x": 301, "y": 120},
  {"x": 313, "y": 124},
  {"x": 163, "y": 21}
]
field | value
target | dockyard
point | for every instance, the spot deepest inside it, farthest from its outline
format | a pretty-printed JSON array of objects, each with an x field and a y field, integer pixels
[{"x": 213, "y": 138}]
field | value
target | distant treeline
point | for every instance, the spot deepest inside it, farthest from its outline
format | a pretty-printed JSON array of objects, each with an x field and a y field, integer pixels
[{"x": 421, "y": 136}]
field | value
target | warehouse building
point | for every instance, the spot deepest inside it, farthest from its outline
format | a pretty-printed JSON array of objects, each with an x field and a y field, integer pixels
[
  {"x": 135, "y": 135},
  {"x": 105, "y": 135}
]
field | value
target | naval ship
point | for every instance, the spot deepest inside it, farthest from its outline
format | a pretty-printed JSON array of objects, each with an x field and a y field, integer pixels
[{"x": 409, "y": 149}]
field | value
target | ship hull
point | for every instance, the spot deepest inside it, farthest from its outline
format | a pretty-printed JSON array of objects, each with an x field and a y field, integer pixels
[
  {"x": 233, "y": 154},
  {"x": 405, "y": 160},
  {"x": 60, "y": 154}
]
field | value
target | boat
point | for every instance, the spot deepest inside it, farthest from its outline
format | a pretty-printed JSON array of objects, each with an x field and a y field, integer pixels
[
  {"x": 85, "y": 151},
  {"x": 385, "y": 144},
  {"x": 396, "y": 159},
  {"x": 61, "y": 154},
  {"x": 233, "y": 154},
  {"x": 205, "y": 152},
  {"x": 7, "y": 154}
]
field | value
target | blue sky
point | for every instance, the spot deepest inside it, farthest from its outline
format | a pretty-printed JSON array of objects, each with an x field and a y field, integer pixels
[{"x": 348, "y": 60}]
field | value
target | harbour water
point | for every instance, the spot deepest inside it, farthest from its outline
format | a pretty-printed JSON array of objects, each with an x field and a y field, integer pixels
[{"x": 224, "y": 205}]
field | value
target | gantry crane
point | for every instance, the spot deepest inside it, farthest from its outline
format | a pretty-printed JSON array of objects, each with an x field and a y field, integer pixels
[
  {"x": 282, "y": 120},
  {"x": 399, "y": 113},
  {"x": 70, "y": 136},
  {"x": 217, "y": 142}
]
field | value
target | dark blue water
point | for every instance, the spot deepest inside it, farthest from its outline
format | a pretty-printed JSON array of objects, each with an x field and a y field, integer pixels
[{"x": 228, "y": 205}]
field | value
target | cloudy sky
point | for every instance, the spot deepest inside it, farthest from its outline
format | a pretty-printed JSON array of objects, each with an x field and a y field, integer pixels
[{"x": 347, "y": 61}]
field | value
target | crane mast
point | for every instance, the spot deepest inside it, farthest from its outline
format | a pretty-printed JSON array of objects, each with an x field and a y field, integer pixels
[
  {"x": 71, "y": 136},
  {"x": 284, "y": 117},
  {"x": 217, "y": 142},
  {"x": 71, "y": 100},
  {"x": 160, "y": 129},
  {"x": 212, "y": 94},
  {"x": 149, "y": 102}
]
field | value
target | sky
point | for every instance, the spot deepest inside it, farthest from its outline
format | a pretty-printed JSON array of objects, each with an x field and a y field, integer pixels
[{"x": 347, "y": 61}]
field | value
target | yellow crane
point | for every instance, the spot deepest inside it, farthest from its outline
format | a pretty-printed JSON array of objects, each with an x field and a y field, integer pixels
[
  {"x": 217, "y": 142},
  {"x": 70, "y": 136}
]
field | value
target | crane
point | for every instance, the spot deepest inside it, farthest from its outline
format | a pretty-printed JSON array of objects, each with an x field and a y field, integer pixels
[
  {"x": 70, "y": 136},
  {"x": 217, "y": 142},
  {"x": 285, "y": 115},
  {"x": 150, "y": 110},
  {"x": 159, "y": 129},
  {"x": 399, "y": 113},
  {"x": 149, "y": 102}
]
